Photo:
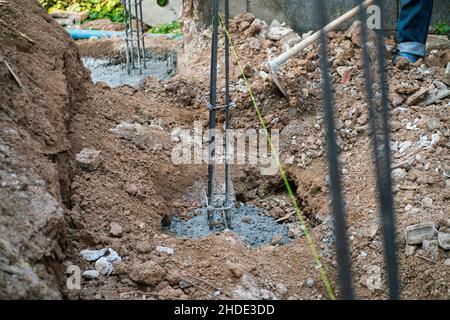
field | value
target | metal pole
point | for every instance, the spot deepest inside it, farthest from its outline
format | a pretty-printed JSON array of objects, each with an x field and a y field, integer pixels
[
  {"x": 212, "y": 112},
  {"x": 131, "y": 34},
  {"x": 143, "y": 36},
  {"x": 138, "y": 35},
  {"x": 227, "y": 118},
  {"x": 127, "y": 48},
  {"x": 337, "y": 201}
]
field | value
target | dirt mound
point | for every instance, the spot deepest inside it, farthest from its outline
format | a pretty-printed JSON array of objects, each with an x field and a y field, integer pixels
[{"x": 41, "y": 81}]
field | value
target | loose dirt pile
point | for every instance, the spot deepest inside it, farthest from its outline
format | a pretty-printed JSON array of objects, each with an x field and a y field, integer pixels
[{"x": 123, "y": 190}]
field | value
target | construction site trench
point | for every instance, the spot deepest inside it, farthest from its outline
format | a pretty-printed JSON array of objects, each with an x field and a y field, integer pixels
[{"x": 88, "y": 179}]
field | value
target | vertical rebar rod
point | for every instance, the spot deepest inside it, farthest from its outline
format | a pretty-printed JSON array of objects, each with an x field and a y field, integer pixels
[
  {"x": 386, "y": 195},
  {"x": 138, "y": 34},
  {"x": 131, "y": 34},
  {"x": 343, "y": 255},
  {"x": 141, "y": 19},
  {"x": 227, "y": 117},
  {"x": 212, "y": 111},
  {"x": 127, "y": 47}
]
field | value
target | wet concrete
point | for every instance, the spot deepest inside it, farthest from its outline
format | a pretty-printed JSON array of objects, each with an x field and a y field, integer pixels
[
  {"x": 250, "y": 223},
  {"x": 114, "y": 72}
]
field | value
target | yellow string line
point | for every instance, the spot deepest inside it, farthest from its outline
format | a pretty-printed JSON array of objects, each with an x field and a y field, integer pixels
[{"x": 309, "y": 238}]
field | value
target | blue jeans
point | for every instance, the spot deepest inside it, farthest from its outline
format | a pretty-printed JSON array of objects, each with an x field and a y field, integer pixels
[{"x": 413, "y": 25}]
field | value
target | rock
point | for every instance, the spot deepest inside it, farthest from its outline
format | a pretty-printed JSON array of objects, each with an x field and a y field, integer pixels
[
  {"x": 92, "y": 255},
  {"x": 184, "y": 284},
  {"x": 245, "y": 16},
  {"x": 278, "y": 32},
  {"x": 427, "y": 201},
  {"x": 131, "y": 189},
  {"x": 447, "y": 75},
  {"x": 410, "y": 250},
  {"x": 103, "y": 266},
  {"x": 418, "y": 97},
  {"x": 88, "y": 159},
  {"x": 345, "y": 73},
  {"x": 281, "y": 288},
  {"x": 310, "y": 282},
  {"x": 170, "y": 293},
  {"x": 152, "y": 137},
  {"x": 444, "y": 240},
  {"x": 248, "y": 71},
  {"x": 167, "y": 250},
  {"x": 277, "y": 240},
  {"x": 264, "y": 294},
  {"x": 113, "y": 256},
  {"x": 91, "y": 274},
  {"x": 431, "y": 247},
  {"x": 447, "y": 262},
  {"x": 399, "y": 175},
  {"x": 115, "y": 230},
  {"x": 437, "y": 42},
  {"x": 255, "y": 27},
  {"x": 397, "y": 99},
  {"x": 174, "y": 278},
  {"x": 235, "y": 269},
  {"x": 128, "y": 130},
  {"x": 433, "y": 124},
  {"x": 415, "y": 234},
  {"x": 354, "y": 33},
  {"x": 148, "y": 273},
  {"x": 243, "y": 25}
]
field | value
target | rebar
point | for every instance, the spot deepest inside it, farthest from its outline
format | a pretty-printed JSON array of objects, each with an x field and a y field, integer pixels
[
  {"x": 134, "y": 36},
  {"x": 212, "y": 206}
]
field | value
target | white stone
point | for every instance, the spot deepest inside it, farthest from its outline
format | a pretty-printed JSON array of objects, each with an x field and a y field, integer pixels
[
  {"x": 103, "y": 266},
  {"x": 415, "y": 234},
  {"x": 91, "y": 274},
  {"x": 88, "y": 159},
  {"x": 113, "y": 256},
  {"x": 444, "y": 240},
  {"x": 167, "y": 250},
  {"x": 92, "y": 255}
]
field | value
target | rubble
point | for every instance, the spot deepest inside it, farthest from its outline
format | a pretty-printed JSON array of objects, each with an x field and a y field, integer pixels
[
  {"x": 167, "y": 250},
  {"x": 447, "y": 75},
  {"x": 418, "y": 97},
  {"x": 431, "y": 247},
  {"x": 444, "y": 240},
  {"x": 103, "y": 266},
  {"x": 92, "y": 255},
  {"x": 91, "y": 274},
  {"x": 415, "y": 234},
  {"x": 147, "y": 273},
  {"x": 277, "y": 31},
  {"x": 88, "y": 159},
  {"x": 115, "y": 230}
]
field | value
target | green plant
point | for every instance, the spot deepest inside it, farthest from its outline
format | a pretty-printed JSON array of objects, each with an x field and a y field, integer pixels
[
  {"x": 162, "y": 3},
  {"x": 442, "y": 28},
  {"x": 173, "y": 27},
  {"x": 98, "y": 9}
]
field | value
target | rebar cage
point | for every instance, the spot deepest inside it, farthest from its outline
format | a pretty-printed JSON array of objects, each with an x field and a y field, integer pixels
[{"x": 134, "y": 35}]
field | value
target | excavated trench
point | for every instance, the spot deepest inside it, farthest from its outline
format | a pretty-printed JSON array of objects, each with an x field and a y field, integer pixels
[{"x": 254, "y": 218}]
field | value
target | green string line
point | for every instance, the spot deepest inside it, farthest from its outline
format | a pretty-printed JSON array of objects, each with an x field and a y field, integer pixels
[{"x": 310, "y": 240}]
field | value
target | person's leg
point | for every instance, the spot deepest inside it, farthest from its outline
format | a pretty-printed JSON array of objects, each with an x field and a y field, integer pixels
[{"x": 412, "y": 27}]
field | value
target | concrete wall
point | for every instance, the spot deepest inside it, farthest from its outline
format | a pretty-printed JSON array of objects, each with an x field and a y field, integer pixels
[{"x": 300, "y": 13}]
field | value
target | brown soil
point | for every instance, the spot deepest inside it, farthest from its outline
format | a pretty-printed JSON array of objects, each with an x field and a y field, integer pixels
[{"x": 51, "y": 209}]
